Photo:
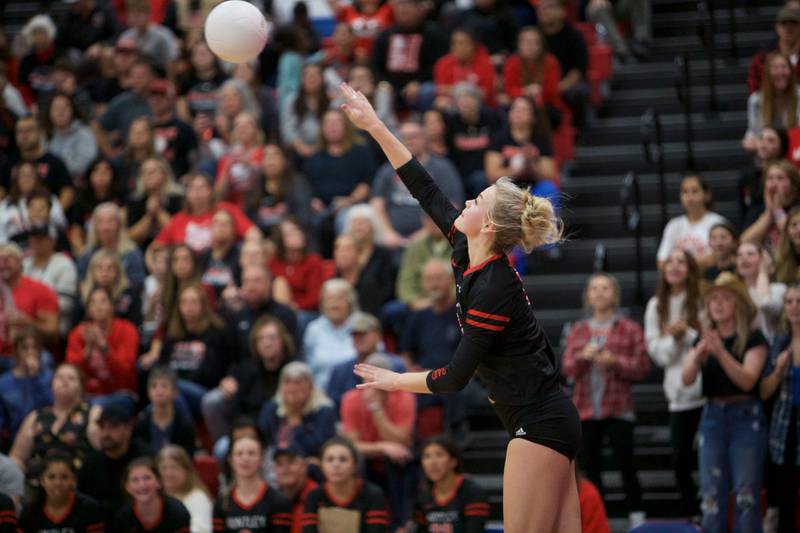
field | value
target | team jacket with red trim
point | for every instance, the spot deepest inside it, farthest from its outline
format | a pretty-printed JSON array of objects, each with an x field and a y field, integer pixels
[
  {"x": 174, "y": 519},
  {"x": 270, "y": 512},
  {"x": 501, "y": 339},
  {"x": 368, "y": 501},
  {"x": 8, "y": 515},
  {"x": 82, "y": 514},
  {"x": 465, "y": 511}
]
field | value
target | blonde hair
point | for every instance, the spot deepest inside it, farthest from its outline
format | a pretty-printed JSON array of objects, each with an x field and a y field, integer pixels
[
  {"x": 522, "y": 219},
  {"x": 170, "y": 185},
  {"x": 124, "y": 243},
  {"x": 119, "y": 284},
  {"x": 614, "y": 283},
  {"x": 301, "y": 370},
  {"x": 742, "y": 321},
  {"x": 773, "y": 102},
  {"x": 179, "y": 455}
]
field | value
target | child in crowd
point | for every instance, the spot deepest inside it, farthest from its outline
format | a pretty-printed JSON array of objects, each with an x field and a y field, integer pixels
[{"x": 161, "y": 423}]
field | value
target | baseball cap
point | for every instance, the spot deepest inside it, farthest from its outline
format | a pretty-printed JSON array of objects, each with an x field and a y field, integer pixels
[
  {"x": 161, "y": 86},
  {"x": 116, "y": 413},
  {"x": 126, "y": 44},
  {"x": 789, "y": 14},
  {"x": 364, "y": 322},
  {"x": 292, "y": 450}
]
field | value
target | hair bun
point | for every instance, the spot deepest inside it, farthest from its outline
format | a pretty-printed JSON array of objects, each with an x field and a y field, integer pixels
[{"x": 540, "y": 225}]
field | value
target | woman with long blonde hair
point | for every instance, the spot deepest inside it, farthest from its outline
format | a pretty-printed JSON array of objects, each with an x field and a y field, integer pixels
[
  {"x": 157, "y": 197},
  {"x": 787, "y": 258},
  {"x": 181, "y": 482},
  {"x": 776, "y": 104},
  {"x": 106, "y": 270},
  {"x": 107, "y": 232}
]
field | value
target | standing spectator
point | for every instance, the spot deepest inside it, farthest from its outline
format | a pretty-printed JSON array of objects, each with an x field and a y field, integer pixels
[
  {"x": 723, "y": 239},
  {"x": 174, "y": 139},
  {"x": 157, "y": 197},
  {"x": 733, "y": 431},
  {"x": 755, "y": 268},
  {"x": 148, "y": 509},
  {"x": 237, "y": 173},
  {"x": 302, "y": 269},
  {"x": 302, "y": 112},
  {"x": 772, "y": 145},
  {"x": 153, "y": 41},
  {"x": 787, "y": 42},
  {"x": 160, "y": 424},
  {"x": 182, "y": 483},
  {"x": 88, "y": 22},
  {"x": 69, "y": 138},
  {"x": 467, "y": 61},
  {"x": 36, "y": 68},
  {"x": 532, "y": 71},
  {"x": 606, "y": 14},
  {"x": 775, "y": 104},
  {"x": 671, "y": 325},
  {"x": 781, "y": 192},
  {"x": 291, "y": 471},
  {"x": 605, "y": 355}
]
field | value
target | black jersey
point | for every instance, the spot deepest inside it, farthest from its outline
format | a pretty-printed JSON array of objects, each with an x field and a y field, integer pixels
[
  {"x": 174, "y": 519},
  {"x": 82, "y": 515},
  {"x": 501, "y": 338},
  {"x": 8, "y": 515},
  {"x": 270, "y": 512},
  {"x": 465, "y": 511},
  {"x": 368, "y": 502}
]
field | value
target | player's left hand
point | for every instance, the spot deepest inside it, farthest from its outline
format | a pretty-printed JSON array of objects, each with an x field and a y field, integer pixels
[{"x": 376, "y": 378}]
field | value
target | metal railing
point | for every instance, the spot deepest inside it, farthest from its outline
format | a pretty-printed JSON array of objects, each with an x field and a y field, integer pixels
[
  {"x": 706, "y": 32},
  {"x": 630, "y": 199},
  {"x": 653, "y": 150},
  {"x": 683, "y": 90}
]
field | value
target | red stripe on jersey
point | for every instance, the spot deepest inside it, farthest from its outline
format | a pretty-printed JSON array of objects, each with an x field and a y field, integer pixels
[
  {"x": 470, "y": 270},
  {"x": 480, "y": 314},
  {"x": 485, "y": 326},
  {"x": 476, "y": 513},
  {"x": 382, "y": 521},
  {"x": 476, "y": 504},
  {"x": 378, "y": 511}
]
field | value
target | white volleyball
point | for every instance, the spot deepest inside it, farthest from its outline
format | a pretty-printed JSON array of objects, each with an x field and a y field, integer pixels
[{"x": 236, "y": 31}]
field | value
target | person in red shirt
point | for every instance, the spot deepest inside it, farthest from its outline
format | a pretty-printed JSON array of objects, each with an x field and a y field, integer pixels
[
  {"x": 367, "y": 18},
  {"x": 104, "y": 348},
  {"x": 302, "y": 270},
  {"x": 468, "y": 61},
  {"x": 237, "y": 173},
  {"x": 593, "y": 511},
  {"x": 31, "y": 304},
  {"x": 291, "y": 472},
  {"x": 533, "y": 72}
]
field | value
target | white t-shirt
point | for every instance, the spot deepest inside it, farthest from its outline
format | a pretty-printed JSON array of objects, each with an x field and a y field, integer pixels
[
  {"x": 680, "y": 233},
  {"x": 200, "y": 510}
]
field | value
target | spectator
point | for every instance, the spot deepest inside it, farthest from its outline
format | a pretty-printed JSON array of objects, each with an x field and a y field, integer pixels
[
  {"x": 342, "y": 54},
  {"x": 723, "y": 239},
  {"x": 148, "y": 508},
  {"x": 493, "y": 24},
  {"x": 302, "y": 269},
  {"x": 107, "y": 233},
  {"x": 233, "y": 97},
  {"x": 690, "y": 232},
  {"x": 174, "y": 139},
  {"x": 106, "y": 271},
  {"x": 242, "y": 427},
  {"x": 672, "y": 322},
  {"x": 103, "y": 468},
  {"x": 405, "y": 53},
  {"x": 787, "y": 258},
  {"x": 35, "y": 304},
  {"x": 302, "y": 112},
  {"x": 249, "y": 501},
  {"x": 105, "y": 349},
  {"x": 160, "y": 424},
  {"x": 157, "y": 197},
  {"x": 787, "y": 42},
  {"x": 59, "y": 505},
  {"x": 198, "y": 87},
  {"x": 56, "y": 270},
  {"x": 181, "y": 482},
  {"x": 775, "y": 104},
  {"x": 367, "y": 18},
  {"x": 195, "y": 346},
  {"x": 12, "y": 105},
  {"x": 87, "y": 23},
  {"x": 327, "y": 341},
  {"x": 115, "y": 66},
  {"x": 26, "y": 387},
  {"x": 220, "y": 263},
  {"x": 63, "y": 427},
  {"x": 238, "y": 170},
  {"x": 755, "y": 268},
  {"x": 139, "y": 146},
  {"x": 291, "y": 471},
  {"x": 772, "y": 145},
  {"x": 567, "y": 44},
  {"x": 300, "y": 414},
  {"x": 69, "y": 138},
  {"x": 280, "y": 191},
  {"x": 440, "y": 139},
  {"x": 780, "y": 374},
  {"x": 248, "y": 73},
  {"x": 39, "y": 212},
  {"x": 343, "y": 489},
  {"x": 152, "y": 305},
  {"x": 593, "y": 511},
  {"x": 290, "y": 49},
  {"x": 606, "y": 14},
  {"x": 449, "y": 499},
  {"x": 398, "y": 211},
  {"x": 380, "y": 95},
  {"x": 607, "y": 353},
  {"x": 468, "y": 61},
  {"x": 15, "y": 212},
  {"x": 381, "y": 425},
  {"x": 35, "y": 75},
  {"x": 429, "y": 245},
  {"x": 532, "y": 71},
  {"x": 733, "y": 431},
  {"x": 153, "y": 41},
  {"x": 103, "y": 185},
  {"x": 781, "y": 192}
]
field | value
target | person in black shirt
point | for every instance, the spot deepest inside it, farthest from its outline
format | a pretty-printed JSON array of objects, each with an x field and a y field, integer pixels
[
  {"x": 160, "y": 423},
  {"x": 149, "y": 510},
  {"x": 59, "y": 508},
  {"x": 8, "y": 515},
  {"x": 451, "y": 502},
  {"x": 501, "y": 341},
  {"x": 88, "y": 22},
  {"x": 723, "y": 239},
  {"x": 175, "y": 140}
]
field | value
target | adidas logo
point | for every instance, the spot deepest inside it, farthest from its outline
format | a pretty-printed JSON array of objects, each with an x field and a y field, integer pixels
[{"x": 520, "y": 433}]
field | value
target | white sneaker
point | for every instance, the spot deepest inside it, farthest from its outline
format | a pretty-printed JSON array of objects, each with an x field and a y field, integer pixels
[
  {"x": 636, "y": 518},
  {"x": 770, "y": 523}
]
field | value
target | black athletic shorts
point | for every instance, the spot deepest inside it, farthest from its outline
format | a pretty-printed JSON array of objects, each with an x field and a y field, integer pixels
[{"x": 551, "y": 422}]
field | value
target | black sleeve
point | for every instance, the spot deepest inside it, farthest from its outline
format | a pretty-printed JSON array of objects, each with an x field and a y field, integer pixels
[
  {"x": 8, "y": 515},
  {"x": 376, "y": 511},
  {"x": 280, "y": 519},
  {"x": 580, "y": 52},
  {"x": 755, "y": 339},
  {"x": 310, "y": 520},
  {"x": 431, "y": 198},
  {"x": 476, "y": 508}
]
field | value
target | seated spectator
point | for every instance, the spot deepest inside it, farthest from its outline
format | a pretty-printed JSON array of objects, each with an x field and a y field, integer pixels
[
  {"x": 399, "y": 212},
  {"x": 327, "y": 341},
  {"x": 86, "y": 24},
  {"x": 723, "y": 239},
  {"x": 302, "y": 269},
  {"x": 181, "y": 481},
  {"x": 437, "y": 132},
  {"x": 63, "y": 427},
  {"x": 493, "y": 24},
  {"x": 56, "y": 270},
  {"x": 772, "y": 145},
  {"x": 68, "y": 136},
  {"x": 116, "y": 62},
  {"x": 198, "y": 86},
  {"x": 381, "y": 425},
  {"x": 775, "y": 104},
  {"x": 279, "y": 192},
  {"x": 429, "y": 245},
  {"x": 467, "y": 61},
  {"x": 449, "y": 499},
  {"x": 341, "y": 53},
  {"x": 249, "y": 499},
  {"x": 523, "y": 150},
  {"x": 367, "y": 18},
  {"x": 139, "y": 146},
  {"x": 15, "y": 208},
  {"x": 106, "y": 271},
  {"x": 787, "y": 42},
  {"x": 175, "y": 140},
  {"x": 148, "y": 507},
  {"x": 532, "y": 71},
  {"x": 729, "y": 357},
  {"x": 105, "y": 349},
  {"x": 233, "y": 97},
  {"x": 606, "y": 14},
  {"x": 567, "y": 44},
  {"x": 195, "y": 346},
  {"x": 26, "y": 387},
  {"x": 302, "y": 112},
  {"x": 153, "y": 41},
  {"x": 58, "y": 504},
  {"x": 300, "y": 414},
  {"x": 755, "y": 267},
  {"x": 34, "y": 304},
  {"x": 291, "y": 472},
  {"x": 157, "y": 197},
  {"x": 781, "y": 192},
  {"x": 107, "y": 233},
  {"x": 35, "y": 75},
  {"x": 103, "y": 185},
  {"x": 220, "y": 263},
  {"x": 160, "y": 424},
  {"x": 250, "y": 74},
  {"x": 690, "y": 232},
  {"x": 380, "y": 95},
  {"x": 152, "y": 305},
  {"x": 607, "y": 351},
  {"x": 103, "y": 468},
  {"x": 237, "y": 171},
  {"x": 344, "y": 489}
]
